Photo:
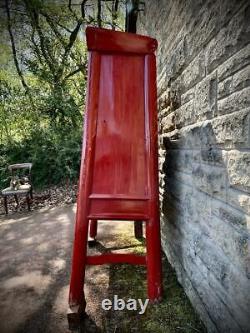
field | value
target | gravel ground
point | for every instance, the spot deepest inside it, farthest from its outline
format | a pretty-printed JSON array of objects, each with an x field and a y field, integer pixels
[{"x": 35, "y": 257}]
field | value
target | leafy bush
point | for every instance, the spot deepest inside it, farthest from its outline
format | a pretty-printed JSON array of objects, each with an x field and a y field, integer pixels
[
  {"x": 43, "y": 84},
  {"x": 55, "y": 158}
]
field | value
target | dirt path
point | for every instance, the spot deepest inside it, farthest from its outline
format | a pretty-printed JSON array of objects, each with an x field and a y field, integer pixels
[{"x": 35, "y": 256}]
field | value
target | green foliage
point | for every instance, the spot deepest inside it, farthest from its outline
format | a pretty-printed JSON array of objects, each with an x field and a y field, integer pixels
[
  {"x": 43, "y": 83},
  {"x": 55, "y": 158},
  {"x": 47, "y": 133}
]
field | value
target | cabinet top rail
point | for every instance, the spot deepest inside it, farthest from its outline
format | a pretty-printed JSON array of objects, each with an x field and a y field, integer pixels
[{"x": 105, "y": 40}]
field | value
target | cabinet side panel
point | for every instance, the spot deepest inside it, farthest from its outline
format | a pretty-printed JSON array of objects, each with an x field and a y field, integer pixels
[{"x": 120, "y": 163}]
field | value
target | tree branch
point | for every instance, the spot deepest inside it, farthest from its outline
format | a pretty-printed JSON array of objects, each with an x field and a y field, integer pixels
[
  {"x": 63, "y": 26},
  {"x": 13, "y": 47},
  {"x": 67, "y": 47},
  {"x": 79, "y": 69},
  {"x": 99, "y": 10},
  {"x": 72, "y": 40},
  {"x": 54, "y": 29},
  {"x": 36, "y": 47},
  {"x": 115, "y": 4},
  {"x": 83, "y": 8},
  {"x": 71, "y": 10},
  {"x": 45, "y": 48}
]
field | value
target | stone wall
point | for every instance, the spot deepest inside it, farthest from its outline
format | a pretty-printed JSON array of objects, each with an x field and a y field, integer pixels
[{"x": 204, "y": 54}]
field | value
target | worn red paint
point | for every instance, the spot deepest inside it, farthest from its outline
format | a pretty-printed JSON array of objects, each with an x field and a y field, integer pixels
[
  {"x": 119, "y": 169},
  {"x": 116, "y": 258}
]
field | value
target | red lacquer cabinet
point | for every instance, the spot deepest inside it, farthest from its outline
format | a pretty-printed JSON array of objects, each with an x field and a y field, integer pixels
[{"x": 119, "y": 167}]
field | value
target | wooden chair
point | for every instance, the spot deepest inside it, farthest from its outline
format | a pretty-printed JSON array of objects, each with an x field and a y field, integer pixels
[{"x": 20, "y": 185}]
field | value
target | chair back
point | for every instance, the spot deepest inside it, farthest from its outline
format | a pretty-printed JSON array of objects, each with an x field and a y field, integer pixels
[{"x": 14, "y": 168}]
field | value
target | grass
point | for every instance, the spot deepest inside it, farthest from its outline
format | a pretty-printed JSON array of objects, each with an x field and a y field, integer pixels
[{"x": 174, "y": 314}]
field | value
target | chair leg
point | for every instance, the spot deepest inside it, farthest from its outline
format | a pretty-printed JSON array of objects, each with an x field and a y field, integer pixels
[
  {"x": 154, "y": 272},
  {"x": 28, "y": 201},
  {"x": 138, "y": 229},
  {"x": 77, "y": 301},
  {"x": 16, "y": 199},
  {"x": 5, "y": 204}
]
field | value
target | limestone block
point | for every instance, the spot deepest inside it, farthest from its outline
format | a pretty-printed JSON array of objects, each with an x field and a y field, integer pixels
[
  {"x": 168, "y": 123},
  {"x": 232, "y": 130},
  {"x": 233, "y": 242},
  {"x": 208, "y": 267},
  {"x": 236, "y": 82},
  {"x": 197, "y": 136},
  {"x": 202, "y": 26},
  {"x": 230, "y": 216},
  {"x": 213, "y": 156},
  {"x": 184, "y": 115},
  {"x": 231, "y": 38},
  {"x": 205, "y": 100},
  {"x": 184, "y": 160},
  {"x": 228, "y": 130},
  {"x": 234, "y": 102},
  {"x": 238, "y": 169},
  {"x": 176, "y": 61},
  {"x": 192, "y": 74},
  {"x": 239, "y": 200},
  {"x": 187, "y": 96},
  {"x": 211, "y": 180},
  {"x": 239, "y": 60},
  {"x": 229, "y": 8},
  {"x": 187, "y": 283},
  {"x": 212, "y": 267}
]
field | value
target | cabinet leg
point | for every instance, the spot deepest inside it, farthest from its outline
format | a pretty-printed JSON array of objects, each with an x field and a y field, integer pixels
[
  {"x": 92, "y": 232},
  {"x": 76, "y": 293},
  {"x": 138, "y": 229},
  {"x": 154, "y": 270}
]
